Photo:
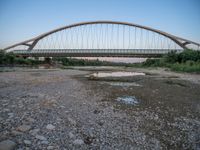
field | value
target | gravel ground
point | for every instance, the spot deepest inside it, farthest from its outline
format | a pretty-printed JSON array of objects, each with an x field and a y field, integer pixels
[{"x": 62, "y": 109}]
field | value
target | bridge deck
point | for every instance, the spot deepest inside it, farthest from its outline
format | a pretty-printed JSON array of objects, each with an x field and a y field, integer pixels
[{"x": 94, "y": 52}]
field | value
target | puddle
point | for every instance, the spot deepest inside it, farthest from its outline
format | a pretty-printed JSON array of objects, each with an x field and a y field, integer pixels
[
  {"x": 130, "y": 100},
  {"x": 116, "y": 74},
  {"x": 123, "y": 84}
]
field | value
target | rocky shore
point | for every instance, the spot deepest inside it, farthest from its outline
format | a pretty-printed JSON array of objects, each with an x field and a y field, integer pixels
[{"x": 63, "y": 109}]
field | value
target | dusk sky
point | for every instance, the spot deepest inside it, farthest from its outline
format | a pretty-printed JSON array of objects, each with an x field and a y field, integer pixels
[{"x": 25, "y": 19}]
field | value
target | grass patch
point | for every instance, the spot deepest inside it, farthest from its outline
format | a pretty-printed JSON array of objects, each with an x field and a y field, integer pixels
[{"x": 185, "y": 67}]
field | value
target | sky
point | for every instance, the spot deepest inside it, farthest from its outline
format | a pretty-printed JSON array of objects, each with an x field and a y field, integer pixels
[{"x": 24, "y": 19}]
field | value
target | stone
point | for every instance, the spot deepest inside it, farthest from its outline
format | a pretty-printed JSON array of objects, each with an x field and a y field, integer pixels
[
  {"x": 78, "y": 142},
  {"x": 100, "y": 122},
  {"x": 30, "y": 119},
  {"x": 40, "y": 137},
  {"x": 27, "y": 142},
  {"x": 71, "y": 135},
  {"x": 50, "y": 147},
  {"x": 45, "y": 142},
  {"x": 24, "y": 128},
  {"x": 10, "y": 115},
  {"x": 34, "y": 131},
  {"x": 7, "y": 145},
  {"x": 14, "y": 132},
  {"x": 50, "y": 127},
  {"x": 71, "y": 121},
  {"x": 5, "y": 110}
]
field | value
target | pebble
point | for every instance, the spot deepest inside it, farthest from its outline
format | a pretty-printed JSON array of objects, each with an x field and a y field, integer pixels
[
  {"x": 24, "y": 128},
  {"x": 40, "y": 137},
  {"x": 50, "y": 147},
  {"x": 45, "y": 142},
  {"x": 14, "y": 132},
  {"x": 50, "y": 127},
  {"x": 10, "y": 115},
  {"x": 71, "y": 121},
  {"x": 7, "y": 145},
  {"x": 27, "y": 142},
  {"x": 62, "y": 106},
  {"x": 34, "y": 131},
  {"x": 5, "y": 110},
  {"x": 30, "y": 119},
  {"x": 71, "y": 135},
  {"x": 78, "y": 142}
]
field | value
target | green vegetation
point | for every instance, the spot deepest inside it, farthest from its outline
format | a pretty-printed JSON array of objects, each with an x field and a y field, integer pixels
[
  {"x": 83, "y": 62},
  {"x": 11, "y": 59},
  {"x": 186, "y": 61}
]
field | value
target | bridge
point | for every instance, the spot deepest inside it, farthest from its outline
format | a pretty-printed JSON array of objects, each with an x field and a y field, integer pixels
[{"x": 102, "y": 39}]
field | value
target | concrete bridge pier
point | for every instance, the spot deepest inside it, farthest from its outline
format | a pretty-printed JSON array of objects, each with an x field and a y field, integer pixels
[
  {"x": 25, "y": 57},
  {"x": 48, "y": 60}
]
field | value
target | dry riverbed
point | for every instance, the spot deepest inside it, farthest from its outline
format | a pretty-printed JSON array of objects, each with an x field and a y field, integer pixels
[{"x": 70, "y": 109}]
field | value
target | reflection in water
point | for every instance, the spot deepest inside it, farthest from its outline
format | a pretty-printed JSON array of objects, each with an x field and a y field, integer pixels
[
  {"x": 123, "y": 84},
  {"x": 116, "y": 74},
  {"x": 128, "y": 100}
]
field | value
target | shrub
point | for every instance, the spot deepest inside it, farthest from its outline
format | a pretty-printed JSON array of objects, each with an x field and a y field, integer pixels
[
  {"x": 171, "y": 57},
  {"x": 190, "y": 62},
  {"x": 186, "y": 61},
  {"x": 10, "y": 58},
  {"x": 189, "y": 55},
  {"x": 152, "y": 63}
]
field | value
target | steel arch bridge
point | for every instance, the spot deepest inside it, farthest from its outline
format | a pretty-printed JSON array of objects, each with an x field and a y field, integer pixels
[{"x": 102, "y": 38}]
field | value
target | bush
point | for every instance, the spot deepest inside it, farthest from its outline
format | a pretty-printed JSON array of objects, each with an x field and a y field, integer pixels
[
  {"x": 171, "y": 57},
  {"x": 190, "y": 62},
  {"x": 189, "y": 55},
  {"x": 6, "y": 58},
  {"x": 186, "y": 61},
  {"x": 10, "y": 59},
  {"x": 2, "y": 56},
  {"x": 152, "y": 63}
]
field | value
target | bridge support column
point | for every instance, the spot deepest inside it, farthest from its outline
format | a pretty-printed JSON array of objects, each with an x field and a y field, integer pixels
[
  {"x": 48, "y": 60},
  {"x": 25, "y": 57},
  {"x": 36, "y": 58}
]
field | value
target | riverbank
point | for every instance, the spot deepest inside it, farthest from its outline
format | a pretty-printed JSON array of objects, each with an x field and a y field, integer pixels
[{"x": 65, "y": 109}]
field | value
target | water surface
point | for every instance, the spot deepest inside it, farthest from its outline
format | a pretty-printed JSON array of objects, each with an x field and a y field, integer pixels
[
  {"x": 122, "y": 84},
  {"x": 128, "y": 100}
]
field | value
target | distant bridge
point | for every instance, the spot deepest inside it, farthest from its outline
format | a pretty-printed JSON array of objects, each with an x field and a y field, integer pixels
[{"x": 102, "y": 39}]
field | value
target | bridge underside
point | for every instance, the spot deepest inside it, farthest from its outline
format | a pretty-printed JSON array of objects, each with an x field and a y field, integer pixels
[{"x": 90, "y": 55}]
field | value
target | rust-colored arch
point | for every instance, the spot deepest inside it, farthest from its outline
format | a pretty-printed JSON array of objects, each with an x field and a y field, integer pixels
[{"x": 34, "y": 41}]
